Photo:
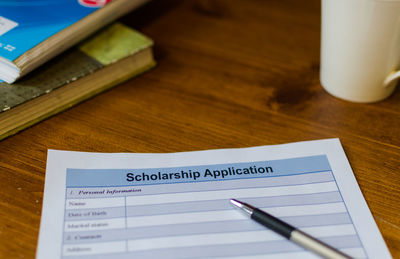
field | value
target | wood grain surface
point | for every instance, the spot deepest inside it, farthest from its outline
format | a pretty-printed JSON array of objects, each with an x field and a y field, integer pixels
[{"x": 230, "y": 74}]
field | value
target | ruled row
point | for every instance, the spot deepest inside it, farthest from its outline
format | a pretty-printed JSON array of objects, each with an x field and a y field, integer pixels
[
  {"x": 198, "y": 228},
  {"x": 200, "y": 196},
  {"x": 198, "y": 206},
  {"x": 263, "y": 241}
]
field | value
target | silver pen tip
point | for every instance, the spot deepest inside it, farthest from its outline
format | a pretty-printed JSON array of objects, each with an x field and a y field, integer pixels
[
  {"x": 242, "y": 206},
  {"x": 237, "y": 203}
]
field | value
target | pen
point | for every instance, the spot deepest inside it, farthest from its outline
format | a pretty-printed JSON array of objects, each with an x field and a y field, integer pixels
[{"x": 290, "y": 232}]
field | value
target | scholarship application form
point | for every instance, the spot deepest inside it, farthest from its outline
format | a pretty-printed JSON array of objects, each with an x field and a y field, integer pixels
[{"x": 176, "y": 205}]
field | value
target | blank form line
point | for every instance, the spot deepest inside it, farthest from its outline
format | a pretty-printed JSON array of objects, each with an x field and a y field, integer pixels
[
  {"x": 355, "y": 252},
  {"x": 266, "y": 208},
  {"x": 227, "y": 194},
  {"x": 243, "y": 186},
  {"x": 232, "y": 238},
  {"x": 198, "y": 217}
]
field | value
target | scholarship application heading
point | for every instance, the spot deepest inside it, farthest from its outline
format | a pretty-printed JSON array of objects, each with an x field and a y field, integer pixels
[{"x": 201, "y": 173}]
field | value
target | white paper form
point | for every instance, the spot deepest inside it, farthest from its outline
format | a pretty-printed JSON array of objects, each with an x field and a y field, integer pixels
[{"x": 176, "y": 205}]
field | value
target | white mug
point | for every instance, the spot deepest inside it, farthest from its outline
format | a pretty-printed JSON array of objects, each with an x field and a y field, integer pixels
[{"x": 360, "y": 48}]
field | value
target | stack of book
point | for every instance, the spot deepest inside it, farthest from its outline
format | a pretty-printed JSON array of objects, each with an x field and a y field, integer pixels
[{"x": 46, "y": 67}]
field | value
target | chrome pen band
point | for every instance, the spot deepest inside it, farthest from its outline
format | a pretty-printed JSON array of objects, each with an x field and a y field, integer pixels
[{"x": 307, "y": 241}]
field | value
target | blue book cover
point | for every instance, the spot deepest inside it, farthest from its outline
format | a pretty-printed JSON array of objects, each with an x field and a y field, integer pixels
[{"x": 26, "y": 23}]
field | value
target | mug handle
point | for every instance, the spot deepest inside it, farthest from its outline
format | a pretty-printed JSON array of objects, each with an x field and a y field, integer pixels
[{"x": 391, "y": 77}]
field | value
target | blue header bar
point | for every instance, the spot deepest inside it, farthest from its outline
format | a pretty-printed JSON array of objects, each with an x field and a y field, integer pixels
[{"x": 148, "y": 176}]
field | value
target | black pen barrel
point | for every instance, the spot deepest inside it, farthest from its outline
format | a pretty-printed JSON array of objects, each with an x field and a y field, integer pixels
[{"x": 272, "y": 223}]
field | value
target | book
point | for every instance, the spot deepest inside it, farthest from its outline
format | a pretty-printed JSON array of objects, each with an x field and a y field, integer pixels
[
  {"x": 111, "y": 56},
  {"x": 32, "y": 31}
]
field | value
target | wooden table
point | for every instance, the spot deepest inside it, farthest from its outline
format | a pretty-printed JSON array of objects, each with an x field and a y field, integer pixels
[{"x": 230, "y": 74}]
